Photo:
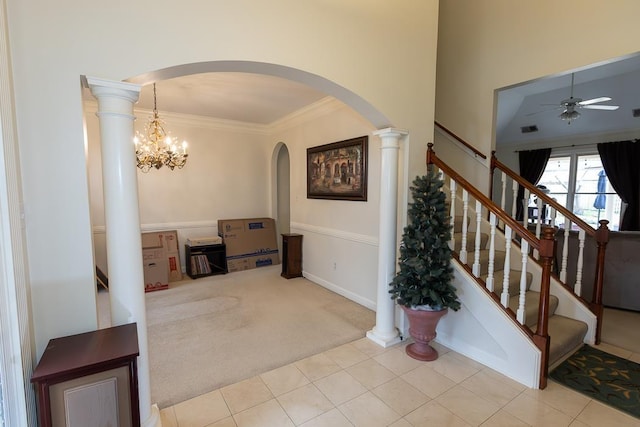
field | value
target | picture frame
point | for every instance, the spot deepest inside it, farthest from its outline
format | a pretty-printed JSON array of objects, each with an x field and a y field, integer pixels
[{"x": 338, "y": 171}]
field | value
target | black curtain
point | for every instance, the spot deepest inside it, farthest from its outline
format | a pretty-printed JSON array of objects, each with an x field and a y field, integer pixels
[
  {"x": 621, "y": 162},
  {"x": 532, "y": 164}
]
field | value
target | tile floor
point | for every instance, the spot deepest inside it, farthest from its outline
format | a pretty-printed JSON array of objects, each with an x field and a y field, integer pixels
[{"x": 362, "y": 384}]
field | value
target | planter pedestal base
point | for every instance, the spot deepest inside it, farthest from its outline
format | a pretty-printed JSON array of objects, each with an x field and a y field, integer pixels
[{"x": 422, "y": 328}]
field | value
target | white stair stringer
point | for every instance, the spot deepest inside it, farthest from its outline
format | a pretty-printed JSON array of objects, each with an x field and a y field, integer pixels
[{"x": 481, "y": 330}]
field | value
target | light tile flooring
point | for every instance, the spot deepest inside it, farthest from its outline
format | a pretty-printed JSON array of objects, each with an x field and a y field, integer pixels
[{"x": 362, "y": 384}]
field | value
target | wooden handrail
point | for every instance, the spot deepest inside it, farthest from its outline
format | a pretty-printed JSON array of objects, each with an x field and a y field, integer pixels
[
  {"x": 461, "y": 141},
  {"x": 488, "y": 203},
  {"x": 495, "y": 163}
]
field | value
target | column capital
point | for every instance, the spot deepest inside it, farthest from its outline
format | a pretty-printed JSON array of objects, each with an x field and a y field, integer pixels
[
  {"x": 113, "y": 97},
  {"x": 103, "y": 87},
  {"x": 390, "y": 133}
]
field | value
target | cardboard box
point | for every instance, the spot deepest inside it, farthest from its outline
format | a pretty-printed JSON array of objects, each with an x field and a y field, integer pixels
[
  {"x": 156, "y": 271},
  {"x": 250, "y": 242},
  {"x": 239, "y": 262},
  {"x": 160, "y": 248}
]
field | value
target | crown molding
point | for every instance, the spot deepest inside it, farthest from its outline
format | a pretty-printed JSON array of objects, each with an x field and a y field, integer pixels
[{"x": 311, "y": 112}]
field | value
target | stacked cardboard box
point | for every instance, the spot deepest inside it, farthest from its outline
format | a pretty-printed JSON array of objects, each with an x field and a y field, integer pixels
[
  {"x": 250, "y": 242},
  {"x": 161, "y": 259}
]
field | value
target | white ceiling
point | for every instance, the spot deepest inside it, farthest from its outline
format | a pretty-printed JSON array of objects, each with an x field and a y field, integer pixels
[
  {"x": 522, "y": 105},
  {"x": 244, "y": 97},
  {"x": 262, "y": 99}
]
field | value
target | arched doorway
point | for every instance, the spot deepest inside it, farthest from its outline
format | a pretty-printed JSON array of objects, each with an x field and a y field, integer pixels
[{"x": 281, "y": 190}]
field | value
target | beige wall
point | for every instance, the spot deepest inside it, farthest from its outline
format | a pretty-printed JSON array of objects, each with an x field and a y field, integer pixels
[
  {"x": 383, "y": 52},
  {"x": 491, "y": 44}
]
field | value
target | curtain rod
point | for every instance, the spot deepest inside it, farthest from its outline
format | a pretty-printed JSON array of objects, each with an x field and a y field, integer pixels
[{"x": 580, "y": 145}]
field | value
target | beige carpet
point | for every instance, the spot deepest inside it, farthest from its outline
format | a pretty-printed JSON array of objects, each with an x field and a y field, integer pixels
[
  {"x": 621, "y": 328},
  {"x": 207, "y": 333}
]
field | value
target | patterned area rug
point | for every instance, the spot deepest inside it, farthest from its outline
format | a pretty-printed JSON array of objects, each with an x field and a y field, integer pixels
[{"x": 602, "y": 376}]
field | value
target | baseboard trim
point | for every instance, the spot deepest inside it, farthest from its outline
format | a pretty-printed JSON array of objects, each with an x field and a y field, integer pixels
[{"x": 341, "y": 291}]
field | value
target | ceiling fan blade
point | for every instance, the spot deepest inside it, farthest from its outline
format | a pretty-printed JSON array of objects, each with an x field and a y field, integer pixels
[
  {"x": 595, "y": 100},
  {"x": 600, "y": 107}
]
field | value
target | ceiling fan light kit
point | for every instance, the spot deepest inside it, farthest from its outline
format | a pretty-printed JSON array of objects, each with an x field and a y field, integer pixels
[{"x": 571, "y": 105}]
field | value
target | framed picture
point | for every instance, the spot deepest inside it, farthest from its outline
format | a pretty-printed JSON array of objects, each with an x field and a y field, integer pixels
[{"x": 338, "y": 171}]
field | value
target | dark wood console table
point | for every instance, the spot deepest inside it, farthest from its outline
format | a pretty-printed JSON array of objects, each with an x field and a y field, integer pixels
[{"x": 89, "y": 378}]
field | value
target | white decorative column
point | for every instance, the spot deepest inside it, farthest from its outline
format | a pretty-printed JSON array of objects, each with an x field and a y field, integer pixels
[
  {"x": 384, "y": 332},
  {"x": 122, "y": 217}
]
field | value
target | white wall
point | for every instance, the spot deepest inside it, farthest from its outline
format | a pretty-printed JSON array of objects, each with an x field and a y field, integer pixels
[
  {"x": 340, "y": 237},
  {"x": 382, "y": 53},
  {"x": 226, "y": 177},
  {"x": 488, "y": 45}
]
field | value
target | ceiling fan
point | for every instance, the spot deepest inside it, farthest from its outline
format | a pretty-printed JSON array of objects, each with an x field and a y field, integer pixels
[{"x": 571, "y": 105}]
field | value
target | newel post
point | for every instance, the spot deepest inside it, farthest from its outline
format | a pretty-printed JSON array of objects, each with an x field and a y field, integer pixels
[
  {"x": 602, "y": 238},
  {"x": 541, "y": 336},
  {"x": 430, "y": 153},
  {"x": 492, "y": 169}
]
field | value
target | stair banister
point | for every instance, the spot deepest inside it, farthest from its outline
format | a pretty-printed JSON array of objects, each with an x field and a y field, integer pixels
[
  {"x": 548, "y": 200},
  {"x": 545, "y": 248},
  {"x": 534, "y": 243},
  {"x": 473, "y": 149},
  {"x": 601, "y": 237}
]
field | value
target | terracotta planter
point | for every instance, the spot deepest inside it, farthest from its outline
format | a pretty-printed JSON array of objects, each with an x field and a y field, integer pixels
[{"x": 422, "y": 328}]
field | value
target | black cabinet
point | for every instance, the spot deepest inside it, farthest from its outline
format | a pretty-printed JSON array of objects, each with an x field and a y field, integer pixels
[
  {"x": 205, "y": 260},
  {"x": 291, "y": 255}
]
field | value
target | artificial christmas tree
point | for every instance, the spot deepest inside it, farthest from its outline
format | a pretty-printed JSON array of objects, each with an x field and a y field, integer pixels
[{"x": 423, "y": 285}]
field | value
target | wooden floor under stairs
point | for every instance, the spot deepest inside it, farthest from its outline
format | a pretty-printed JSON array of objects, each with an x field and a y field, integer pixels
[{"x": 566, "y": 334}]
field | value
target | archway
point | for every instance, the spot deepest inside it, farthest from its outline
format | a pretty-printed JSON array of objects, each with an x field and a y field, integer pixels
[
  {"x": 363, "y": 108},
  {"x": 357, "y": 103},
  {"x": 280, "y": 183}
]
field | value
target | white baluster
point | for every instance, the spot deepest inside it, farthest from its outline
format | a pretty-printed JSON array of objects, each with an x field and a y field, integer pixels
[
  {"x": 578, "y": 287},
  {"x": 492, "y": 251},
  {"x": 504, "y": 298},
  {"x": 553, "y": 214},
  {"x": 538, "y": 224},
  {"x": 525, "y": 207},
  {"x": 452, "y": 189},
  {"x": 565, "y": 251},
  {"x": 524, "y": 246},
  {"x": 465, "y": 226},
  {"x": 476, "y": 258}
]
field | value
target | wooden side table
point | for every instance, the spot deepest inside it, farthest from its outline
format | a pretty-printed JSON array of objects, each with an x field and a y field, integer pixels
[
  {"x": 291, "y": 255},
  {"x": 89, "y": 379}
]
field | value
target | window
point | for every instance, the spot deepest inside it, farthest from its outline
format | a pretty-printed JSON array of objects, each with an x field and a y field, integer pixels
[{"x": 578, "y": 182}]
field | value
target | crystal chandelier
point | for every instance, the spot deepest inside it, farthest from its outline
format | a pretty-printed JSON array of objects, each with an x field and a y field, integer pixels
[{"x": 157, "y": 148}]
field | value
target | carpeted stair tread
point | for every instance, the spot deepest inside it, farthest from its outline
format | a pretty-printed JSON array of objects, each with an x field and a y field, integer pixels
[
  {"x": 471, "y": 241},
  {"x": 457, "y": 223},
  {"x": 498, "y": 260},
  {"x": 531, "y": 303},
  {"x": 565, "y": 336},
  {"x": 514, "y": 281}
]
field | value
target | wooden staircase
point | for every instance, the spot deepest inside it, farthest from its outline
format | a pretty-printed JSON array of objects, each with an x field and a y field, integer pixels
[
  {"x": 517, "y": 315},
  {"x": 566, "y": 334}
]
